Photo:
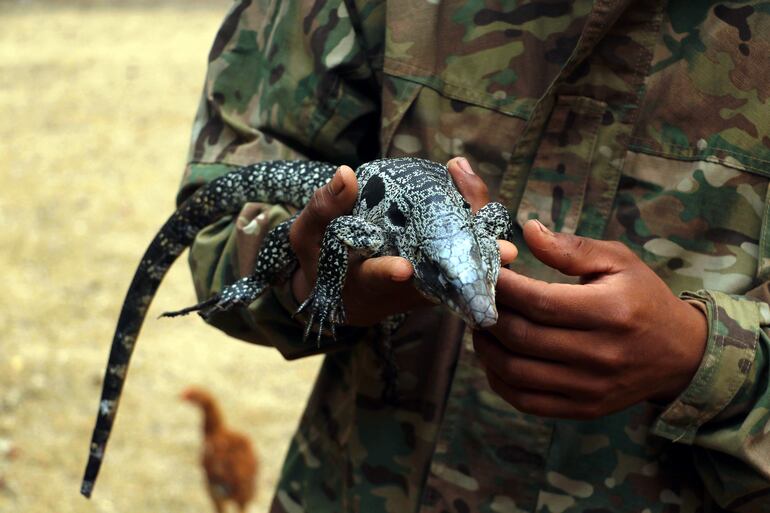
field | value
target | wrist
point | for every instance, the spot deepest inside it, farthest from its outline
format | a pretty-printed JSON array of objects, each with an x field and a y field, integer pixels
[{"x": 688, "y": 350}]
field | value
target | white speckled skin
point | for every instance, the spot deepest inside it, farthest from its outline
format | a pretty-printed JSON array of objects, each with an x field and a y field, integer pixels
[{"x": 406, "y": 207}]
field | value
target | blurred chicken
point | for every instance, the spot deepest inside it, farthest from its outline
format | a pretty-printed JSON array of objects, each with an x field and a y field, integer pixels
[{"x": 228, "y": 458}]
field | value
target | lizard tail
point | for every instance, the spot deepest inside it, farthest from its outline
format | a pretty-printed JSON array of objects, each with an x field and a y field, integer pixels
[
  {"x": 290, "y": 182},
  {"x": 157, "y": 259}
]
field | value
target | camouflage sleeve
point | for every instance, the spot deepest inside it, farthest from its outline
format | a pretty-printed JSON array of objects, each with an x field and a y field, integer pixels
[
  {"x": 284, "y": 81},
  {"x": 268, "y": 320},
  {"x": 725, "y": 412}
]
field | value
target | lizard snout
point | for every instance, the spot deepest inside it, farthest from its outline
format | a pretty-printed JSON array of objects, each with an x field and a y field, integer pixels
[
  {"x": 476, "y": 304},
  {"x": 472, "y": 298},
  {"x": 484, "y": 312},
  {"x": 451, "y": 270}
]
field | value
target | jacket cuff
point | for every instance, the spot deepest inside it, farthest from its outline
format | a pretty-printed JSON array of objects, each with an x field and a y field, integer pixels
[{"x": 734, "y": 325}]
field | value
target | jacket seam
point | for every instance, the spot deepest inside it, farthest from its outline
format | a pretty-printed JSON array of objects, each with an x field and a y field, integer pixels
[
  {"x": 639, "y": 145},
  {"x": 394, "y": 67}
]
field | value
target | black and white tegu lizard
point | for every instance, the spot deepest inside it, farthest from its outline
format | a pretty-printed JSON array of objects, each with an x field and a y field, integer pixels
[{"x": 405, "y": 206}]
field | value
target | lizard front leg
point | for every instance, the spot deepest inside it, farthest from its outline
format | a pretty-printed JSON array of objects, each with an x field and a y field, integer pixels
[
  {"x": 490, "y": 223},
  {"x": 494, "y": 220},
  {"x": 325, "y": 300},
  {"x": 274, "y": 264}
]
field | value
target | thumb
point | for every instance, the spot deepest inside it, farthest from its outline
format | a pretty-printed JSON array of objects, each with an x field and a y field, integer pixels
[
  {"x": 470, "y": 185},
  {"x": 574, "y": 255},
  {"x": 334, "y": 199}
]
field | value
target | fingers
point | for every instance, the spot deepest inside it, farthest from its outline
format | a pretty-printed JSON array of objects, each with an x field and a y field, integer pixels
[
  {"x": 329, "y": 202},
  {"x": 573, "y": 255},
  {"x": 542, "y": 404},
  {"x": 385, "y": 270},
  {"x": 379, "y": 287},
  {"x": 524, "y": 337},
  {"x": 476, "y": 193},
  {"x": 555, "y": 304},
  {"x": 508, "y": 251},
  {"x": 250, "y": 230},
  {"x": 334, "y": 199},
  {"x": 470, "y": 185},
  {"x": 540, "y": 387}
]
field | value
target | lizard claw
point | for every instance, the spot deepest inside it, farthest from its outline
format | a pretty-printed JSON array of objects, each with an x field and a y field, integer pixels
[
  {"x": 200, "y": 307},
  {"x": 324, "y": 309},
  {"x": 205, "y": 309},
  {"x": 241, "y": 293}
]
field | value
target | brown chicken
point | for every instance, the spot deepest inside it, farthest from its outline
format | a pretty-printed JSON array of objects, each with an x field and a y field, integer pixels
[{"x": 228, "y": 458}]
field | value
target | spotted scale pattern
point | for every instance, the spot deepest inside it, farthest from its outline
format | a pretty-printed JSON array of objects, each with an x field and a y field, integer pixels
[
  {"x": 405, "y": 206},
  {"x": 289, "y": 182},
  {"x": 325, "y": 300}
]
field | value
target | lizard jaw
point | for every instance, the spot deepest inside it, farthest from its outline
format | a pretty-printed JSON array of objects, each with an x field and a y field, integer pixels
[
  {"x": 475, "y": 303},
  {"x": 484, "y": 312}
]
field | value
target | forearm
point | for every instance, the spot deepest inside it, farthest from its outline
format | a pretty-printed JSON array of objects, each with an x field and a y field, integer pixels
[
  {"x": 252, "y": 109},
  {"x": 725, "y": 411}
]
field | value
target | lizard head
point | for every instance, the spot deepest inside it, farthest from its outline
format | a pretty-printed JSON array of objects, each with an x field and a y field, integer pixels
[{"x": 453, "y": 267}]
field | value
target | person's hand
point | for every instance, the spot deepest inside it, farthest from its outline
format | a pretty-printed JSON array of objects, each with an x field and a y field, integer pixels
[
  {"x": 375, "y": 288},
  {"x": 250, "y": 231},
  {"x": 585, "y": 350}
]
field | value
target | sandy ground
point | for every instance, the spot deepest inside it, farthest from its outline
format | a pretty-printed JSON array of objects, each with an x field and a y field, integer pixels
[{"x": 96, "y": 103}]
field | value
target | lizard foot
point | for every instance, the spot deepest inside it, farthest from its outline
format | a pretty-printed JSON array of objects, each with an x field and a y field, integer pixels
[
  {"x": 325, "y": 308},
  {"x": 241, "y": 293}
]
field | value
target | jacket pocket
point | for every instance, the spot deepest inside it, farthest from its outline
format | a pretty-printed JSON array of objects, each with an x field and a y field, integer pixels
[
  {"x": 708, "y": 96},
  {"x": 699, "y": 225},
  {"x": 463, "y": 79},
  {"x": 421, "y": 122},
  {"x": 559, "y": 177},
  {"x": 499, "y": 56}
]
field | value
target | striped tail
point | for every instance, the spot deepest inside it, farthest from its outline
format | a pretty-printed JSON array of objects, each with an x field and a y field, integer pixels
[{"x": 287, "y": 182}]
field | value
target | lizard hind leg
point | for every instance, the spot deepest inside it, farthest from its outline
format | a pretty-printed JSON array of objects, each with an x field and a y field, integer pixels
[
  {"x": 274, "y": 264},
  {"x": 325, "y": 300},
  {"x": 243, "y": 292}
]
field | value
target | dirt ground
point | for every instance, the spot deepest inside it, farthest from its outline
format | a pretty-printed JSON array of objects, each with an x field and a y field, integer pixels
[{"x": 96, "y": 104}]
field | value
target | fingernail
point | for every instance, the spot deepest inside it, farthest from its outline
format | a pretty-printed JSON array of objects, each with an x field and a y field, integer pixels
[
  {"x": 465, "y": 166},
  {"x": 255, "y": 224},
  {"x": 337, "y": 185},
  {"x": 543, "y": 228},
  {"x": 250, "y": 228}
]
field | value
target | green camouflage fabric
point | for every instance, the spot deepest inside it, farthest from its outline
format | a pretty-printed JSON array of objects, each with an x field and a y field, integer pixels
[{"x": 643, "y": 122}]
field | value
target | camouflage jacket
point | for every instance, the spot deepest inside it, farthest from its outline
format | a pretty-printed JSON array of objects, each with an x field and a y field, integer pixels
[{"x": 645, "y": 122}]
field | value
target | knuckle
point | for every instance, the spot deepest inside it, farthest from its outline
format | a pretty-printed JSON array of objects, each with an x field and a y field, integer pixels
[
  {"x": 512, "y": 372},
  {"x": 544, "y": 301},
  {"x": 517, "y": 329},
  {"x": 621, "y": 250},
  {"x": 623, "y": 314},
  {"x": 612, "y": 358},
  {"x": 580, "y": 245},
  {"x": 318, "y": 203},
  {"x": 575, "y": 248}
]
